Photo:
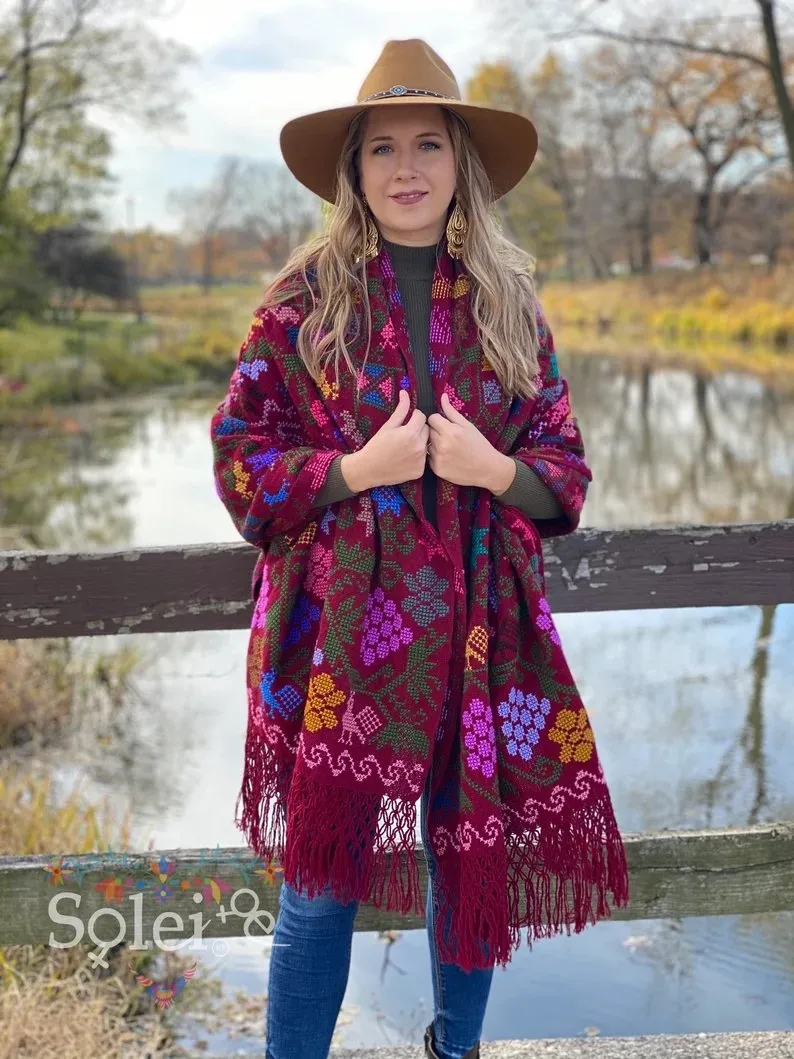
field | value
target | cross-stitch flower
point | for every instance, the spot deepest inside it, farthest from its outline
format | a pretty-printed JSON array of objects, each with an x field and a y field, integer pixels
[
  {"x": 546, "y": 622},
  {"x": 321, "y": 700},
  {"x": 479, "y": 738},
  {"x": 383, "y": 628},
  {"x": 425, "y": 604},
  {"x": 319, "y": 570},
  {"x": 268, "y": 874},
  {"x": 57, "y": 872},
  {"x": 574, "y": 734},
  {"x": 525, "y": 718},
  {"x": 304, "y": 615}
]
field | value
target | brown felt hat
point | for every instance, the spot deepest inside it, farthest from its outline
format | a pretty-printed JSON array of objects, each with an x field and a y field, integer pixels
[{"x": 408, "y": 71}]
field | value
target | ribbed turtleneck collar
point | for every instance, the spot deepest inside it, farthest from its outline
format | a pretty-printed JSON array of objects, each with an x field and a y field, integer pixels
[{"x": 412, "y": 262}]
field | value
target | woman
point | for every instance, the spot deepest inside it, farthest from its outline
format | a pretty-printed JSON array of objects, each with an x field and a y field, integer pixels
[{"x": 396, "y": 440}]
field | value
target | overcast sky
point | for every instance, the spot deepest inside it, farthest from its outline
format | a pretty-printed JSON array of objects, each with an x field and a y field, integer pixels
[{"x": 261, "y": 62}]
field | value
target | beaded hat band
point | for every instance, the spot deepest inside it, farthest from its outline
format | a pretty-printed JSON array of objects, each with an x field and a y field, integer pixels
[{"x": 409, "y": 72}]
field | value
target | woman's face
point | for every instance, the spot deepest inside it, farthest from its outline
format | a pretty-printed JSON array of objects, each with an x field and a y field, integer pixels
[{"x": 407, "y": 169}]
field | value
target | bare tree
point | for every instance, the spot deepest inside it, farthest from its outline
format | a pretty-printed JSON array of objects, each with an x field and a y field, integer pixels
[
  {"x": 206, "y": 211},
  {"x": 60, "y": 57},
  {"x": 277, "y": 208},
  {"x": 696, "y": 29}
]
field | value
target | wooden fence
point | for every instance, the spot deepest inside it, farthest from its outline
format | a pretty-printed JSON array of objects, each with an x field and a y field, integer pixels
[{"x": 673, "y": 873}]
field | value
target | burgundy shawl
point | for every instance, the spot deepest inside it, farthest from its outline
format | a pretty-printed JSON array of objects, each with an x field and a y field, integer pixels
[{"x": 382, "y": 651}]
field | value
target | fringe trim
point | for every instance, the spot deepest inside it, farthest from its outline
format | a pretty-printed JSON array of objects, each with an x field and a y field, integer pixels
[{"x": 556, "y": 877}]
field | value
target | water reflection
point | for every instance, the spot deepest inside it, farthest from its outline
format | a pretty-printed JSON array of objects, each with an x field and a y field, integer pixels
[
  {"x": 690, "y": 707},
  {"x": 667, "y": 445}
]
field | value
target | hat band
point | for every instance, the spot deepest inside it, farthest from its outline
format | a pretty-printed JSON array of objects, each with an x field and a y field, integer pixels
[{"x": 401, "y": 90}]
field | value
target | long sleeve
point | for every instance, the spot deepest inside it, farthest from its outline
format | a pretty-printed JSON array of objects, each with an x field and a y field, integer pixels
[
  {"x": 335, "y": 488},
  {"x": 529, "y": 494},
  {"x": 551, "y": 444},
  {"x": 266, "y": 473}
]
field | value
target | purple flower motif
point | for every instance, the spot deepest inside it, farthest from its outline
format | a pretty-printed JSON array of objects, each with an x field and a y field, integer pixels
[
  {"x": 525, "y": 718},
  {"x": 384, "y": 631},
  {"x": 479, "y": 738},
  {"x": 546, "y": 622}
]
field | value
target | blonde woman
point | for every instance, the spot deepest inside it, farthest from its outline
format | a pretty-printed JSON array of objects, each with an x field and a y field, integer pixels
[{"x": 396, "y": 441}]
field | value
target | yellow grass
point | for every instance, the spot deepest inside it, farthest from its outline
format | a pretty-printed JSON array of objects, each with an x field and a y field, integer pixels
[{"x": 737, "y": 305}]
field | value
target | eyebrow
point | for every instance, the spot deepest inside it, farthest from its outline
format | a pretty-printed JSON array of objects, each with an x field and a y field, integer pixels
[{"x": 419, "y": 136}]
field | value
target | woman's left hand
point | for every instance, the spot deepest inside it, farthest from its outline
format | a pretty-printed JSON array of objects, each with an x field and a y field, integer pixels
[{"x": 458, "y": 452}]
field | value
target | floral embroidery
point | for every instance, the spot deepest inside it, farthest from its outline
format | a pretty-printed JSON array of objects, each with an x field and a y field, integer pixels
[
  {"x": 318, "y": 573},
  {"x": 546, "y": 622},
  {"x": 383, "y": 628},
  {"x": 479, "y": 738},
  {"x": 320, "y": 702},
  {"x": 525, "y": 720},
  {"x": 574, "y": 734},
  {"x": 304, "y": 615},
  {"x": 425, "y": 604}
]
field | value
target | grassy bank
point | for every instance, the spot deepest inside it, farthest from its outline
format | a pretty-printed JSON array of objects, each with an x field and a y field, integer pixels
[
  {"x": 744, "y": 317},
  {"x": 743, "y": 306}
]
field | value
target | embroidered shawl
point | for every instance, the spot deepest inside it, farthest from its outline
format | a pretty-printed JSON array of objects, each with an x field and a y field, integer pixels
[{"x": 384, "y": 654}]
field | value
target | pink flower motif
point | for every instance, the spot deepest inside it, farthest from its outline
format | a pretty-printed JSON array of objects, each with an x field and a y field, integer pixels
[
  {"x": 319, "y": 414},
  {"x": 454, "y": 400},
  {"x": 480, "y": 738},
  {"x": 319, "y": 571},
  {"x": 546, "y": 622}
]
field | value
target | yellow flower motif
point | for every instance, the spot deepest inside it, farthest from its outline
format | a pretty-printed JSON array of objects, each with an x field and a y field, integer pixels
[
  {"x": 477, "y": 647},
  {"x": 323, "y": 696},
  {"x": 441, "y": 287},
  {"x": 574, "y": 734},
  {"x": 328, "y": 389},
  {"x": 241, "y": 480},
  {"x": 460, "y": 287}
]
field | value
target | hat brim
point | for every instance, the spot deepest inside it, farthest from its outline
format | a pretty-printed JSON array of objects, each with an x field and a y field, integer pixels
[{"x": 505, "y": 141}]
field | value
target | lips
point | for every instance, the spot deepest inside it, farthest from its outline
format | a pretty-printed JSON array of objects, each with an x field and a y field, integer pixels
[{"x": 409, "y": 198}]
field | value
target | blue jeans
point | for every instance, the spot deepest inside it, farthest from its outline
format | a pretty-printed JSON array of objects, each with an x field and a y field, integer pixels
[{"x": 310, "y": 964}]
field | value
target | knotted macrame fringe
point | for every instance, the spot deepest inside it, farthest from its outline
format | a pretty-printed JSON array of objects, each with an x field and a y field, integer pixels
[{"x": 362, "y": 847}]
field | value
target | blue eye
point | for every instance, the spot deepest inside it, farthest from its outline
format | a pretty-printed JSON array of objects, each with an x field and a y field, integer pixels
[
  {"x": 380, "y": 148},
  {"x": 432, "y": 143}
]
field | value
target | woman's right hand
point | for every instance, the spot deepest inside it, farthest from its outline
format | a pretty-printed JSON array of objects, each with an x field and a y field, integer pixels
[{"x": 395, "y": 454}]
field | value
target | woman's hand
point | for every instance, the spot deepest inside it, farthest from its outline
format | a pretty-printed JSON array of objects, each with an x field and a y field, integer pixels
[
  {"x": 394, "y": 454},
  {"x": 462, "y": 455}
]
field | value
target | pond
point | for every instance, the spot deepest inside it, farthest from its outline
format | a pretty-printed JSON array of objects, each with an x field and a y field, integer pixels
[{"x": 691, "y": 709}]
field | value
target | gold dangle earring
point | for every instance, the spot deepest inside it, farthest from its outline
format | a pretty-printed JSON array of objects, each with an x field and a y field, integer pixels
[
  {"x": 372, "y": 236},
  {"x": 371, "y": 245},
  {"x": 457, "y": 226}
]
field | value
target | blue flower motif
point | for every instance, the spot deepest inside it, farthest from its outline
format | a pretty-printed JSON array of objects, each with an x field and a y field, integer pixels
[
  {"x": 253, "y": 368},
  {"x": 524, "y": 720},
  {"x": 304, "y": 615},
  {"x": 263, "y": 459},
  {"x": 230, "y": 425},
  {"x": 492, "y": 391},
  {"x": 388, "y": 498},
  {"x": 292, "y": 335}
]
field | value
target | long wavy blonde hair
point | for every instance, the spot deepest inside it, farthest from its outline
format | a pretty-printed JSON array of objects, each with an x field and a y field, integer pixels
[{"x": 503, "y": 302}]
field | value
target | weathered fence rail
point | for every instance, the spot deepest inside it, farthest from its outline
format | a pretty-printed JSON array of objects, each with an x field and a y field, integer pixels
[
  {"x": 673, "y": 873},
  {"x": 208, "y": 586}
]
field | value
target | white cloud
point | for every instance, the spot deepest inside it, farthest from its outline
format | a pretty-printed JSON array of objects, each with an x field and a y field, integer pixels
[{"x": 261, "y": 62}]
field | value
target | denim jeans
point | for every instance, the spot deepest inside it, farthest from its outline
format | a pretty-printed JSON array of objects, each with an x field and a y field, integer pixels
[{"x": 310, "y": 964}]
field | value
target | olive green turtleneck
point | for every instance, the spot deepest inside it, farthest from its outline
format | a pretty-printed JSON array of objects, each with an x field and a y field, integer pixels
[{"x": 414, "y": 267}]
